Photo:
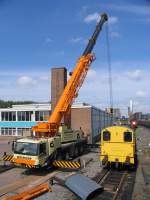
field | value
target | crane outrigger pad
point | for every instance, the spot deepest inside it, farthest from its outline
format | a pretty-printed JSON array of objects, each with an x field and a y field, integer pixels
[
  {"x": 67, "y": 164},
  {"x": 31, "y": 193}
]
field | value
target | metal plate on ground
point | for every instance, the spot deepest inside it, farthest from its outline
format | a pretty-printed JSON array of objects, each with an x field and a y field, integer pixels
[{"x": 83, "y": 186}]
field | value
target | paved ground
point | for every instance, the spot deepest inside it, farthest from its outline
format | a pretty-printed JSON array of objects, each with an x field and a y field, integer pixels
[
  {"x": 15, "y": 180},
  {"x": 142, "y": 183},
  {"x": 5, "y": 146},
  {"x": 90, "y": 170}
]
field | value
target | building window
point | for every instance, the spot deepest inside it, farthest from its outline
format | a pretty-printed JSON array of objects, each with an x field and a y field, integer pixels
[
  {"x": 41, "y": 115},
  {"x": 8, "y": 131},
  {"x": 127, "y": 136},
  {"x": 8, "y": 116},
  {"x": 106, "y": 136},
  {"x": 13, "y": 131},
  {"x": 2, "y": 131},
  {"x": 24, "y": 115},
  {"x": 28, "y": 116},
  {"x": 37, "y": 116},
  {"x": 2, "y": 115},
  {"x": 13, "y": 116},
  {"x": 19, "y": 132}
]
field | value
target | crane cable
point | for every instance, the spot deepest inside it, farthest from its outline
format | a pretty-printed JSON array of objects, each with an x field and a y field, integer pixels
[{"x": 109, "y": 68}]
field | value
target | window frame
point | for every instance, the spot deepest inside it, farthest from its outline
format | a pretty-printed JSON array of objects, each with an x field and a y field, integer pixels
[
  {"x": 124, "y": 136},
  {"x": 106, "y": 139},
  {"x": 44, "y": 144}
]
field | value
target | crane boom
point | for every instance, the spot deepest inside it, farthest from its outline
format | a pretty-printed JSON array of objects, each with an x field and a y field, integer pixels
[{"x": 70, "y": 92}]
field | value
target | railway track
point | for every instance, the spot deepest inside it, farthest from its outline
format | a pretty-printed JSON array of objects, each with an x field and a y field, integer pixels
[{"x": 113, "y": 182}]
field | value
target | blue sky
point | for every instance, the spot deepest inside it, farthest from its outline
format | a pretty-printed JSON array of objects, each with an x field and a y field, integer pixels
[{"x": 36, "y": 35}]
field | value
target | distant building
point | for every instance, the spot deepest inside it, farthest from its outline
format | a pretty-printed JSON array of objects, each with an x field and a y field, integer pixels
[
  {"x": 116, "y": 112},
  {"x": 91, "y": 119},
  {"x": 141, "y": 116},
  {"x": 146, "y": 116},
  {"x": 20, "y": 118},
  {"x": 137, "y": 116}
]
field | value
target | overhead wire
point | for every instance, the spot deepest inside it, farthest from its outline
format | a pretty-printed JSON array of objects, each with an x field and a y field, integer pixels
[{"x": 109, "y": 66}]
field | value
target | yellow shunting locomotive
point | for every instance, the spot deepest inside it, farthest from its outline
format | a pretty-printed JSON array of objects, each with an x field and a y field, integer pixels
[{"x": 118, "y": 146}]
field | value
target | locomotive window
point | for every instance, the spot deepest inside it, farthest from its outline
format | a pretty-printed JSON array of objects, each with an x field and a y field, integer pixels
[
  {"x": 127, "y": 136},
  {"x": 106, "y": 136}
]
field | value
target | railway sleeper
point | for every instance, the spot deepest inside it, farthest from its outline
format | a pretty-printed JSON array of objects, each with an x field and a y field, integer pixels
[
  {"x": 109, "y": 187},
  {"x": 105, "y": 196}
]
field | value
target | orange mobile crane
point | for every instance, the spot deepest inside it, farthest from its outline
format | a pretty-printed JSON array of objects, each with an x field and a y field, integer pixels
[
  {"x": 71, "y": 90},
  {"x": 53, "y": 140}
]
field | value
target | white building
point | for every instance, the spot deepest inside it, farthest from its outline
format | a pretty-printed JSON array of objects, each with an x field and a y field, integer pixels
[{"x": 19, "y": 118}]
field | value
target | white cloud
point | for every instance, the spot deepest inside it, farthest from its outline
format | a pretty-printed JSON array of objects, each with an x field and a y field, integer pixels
[
  {"x": 96, "y": 16},
  {"x": 115, "y": 35},
  {"x": 76, "y": 40},
  {"x": 140, "y": 93},
  {"x": 83, "y": 10},
  {"x": 136, "y": 103},
  {"x": 92, "y": 17},
  {"x": 91, "y": 74},
  {"x": 48, "y": 40},
  {"x": 95, "y": 89},
  {"x": 135, "y": 75},
  {"x": 26, "y": 81},
  {"x": 112, "y": 20},
  {"x": 44, "y": 78}
]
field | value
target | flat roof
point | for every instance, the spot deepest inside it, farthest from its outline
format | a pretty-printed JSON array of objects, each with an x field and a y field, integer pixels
[
  {"x": 28, "y": 107},
  {"x": 44, "y": 107}
]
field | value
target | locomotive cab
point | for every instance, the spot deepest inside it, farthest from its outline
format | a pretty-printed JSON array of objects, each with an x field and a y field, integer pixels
[{"x": 117, "y": 146}]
